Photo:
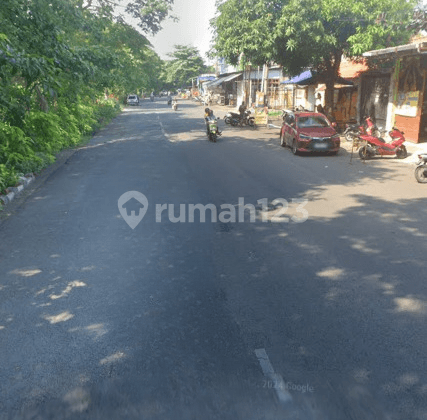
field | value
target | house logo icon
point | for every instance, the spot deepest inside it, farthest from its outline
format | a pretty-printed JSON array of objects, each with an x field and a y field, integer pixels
[{"x": 132, "y": 206}]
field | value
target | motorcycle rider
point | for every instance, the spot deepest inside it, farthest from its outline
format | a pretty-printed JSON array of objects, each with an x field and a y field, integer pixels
[
  {"x": 208, "y": 116},
  {"x": 242, "y": 109}
]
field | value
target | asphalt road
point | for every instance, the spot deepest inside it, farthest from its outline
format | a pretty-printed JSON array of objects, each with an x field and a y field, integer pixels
[{"x": 285, "y": 318}]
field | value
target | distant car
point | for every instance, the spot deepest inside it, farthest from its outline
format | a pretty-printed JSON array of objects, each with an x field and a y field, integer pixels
[
  {"x": 132, "y": 100},
  {"x": 306, "y": 131}
]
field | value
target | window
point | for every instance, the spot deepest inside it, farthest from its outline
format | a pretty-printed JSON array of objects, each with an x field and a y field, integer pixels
[{"x": 312, "y": 121}]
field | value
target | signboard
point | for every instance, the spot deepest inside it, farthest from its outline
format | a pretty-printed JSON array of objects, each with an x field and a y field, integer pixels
[
  {"x": 260, "y": 98},
  {"x": 407, "y": 104},
  {"x": 261, "y": 117}
]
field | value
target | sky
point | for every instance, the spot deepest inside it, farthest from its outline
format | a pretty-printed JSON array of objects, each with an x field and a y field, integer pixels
[{"x": 192, "y": 28}]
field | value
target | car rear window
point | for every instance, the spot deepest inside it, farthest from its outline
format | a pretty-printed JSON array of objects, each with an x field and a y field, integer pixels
[
  {"x": 312, "y": 121},
  {"x": 132, "y": 97}
]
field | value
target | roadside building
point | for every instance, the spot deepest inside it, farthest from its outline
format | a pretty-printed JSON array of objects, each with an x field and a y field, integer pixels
[
  {"x": 307, "y": 90},
  {"x": 395, "y": 94}
]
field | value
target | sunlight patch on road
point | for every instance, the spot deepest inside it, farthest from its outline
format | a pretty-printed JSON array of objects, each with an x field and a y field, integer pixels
[
  {"x": 62, "y": 317},
  {"x": 113, "y": 358},
  {"x": 26, "y": 273},
  {"x": 410, "y": 305},
  {"x": 361, "y": 375},
  {"x": 361, "y": 245},
  {"x": 67, "y": 290},
  {"x": 333, "y": 294},
  {"x": 412, "y": 230},
  {"x": 78, "y": 399},
  {"x": 98, "y": 330},
  {"x": 409, "y": 379},
  {"x": 389, "y": 289},
  {"x": 331, "y": 273},
  {"x": 187, "y": 136},
  {"x": 88, "y": 268},
  {"x": 41, "y": 291}
]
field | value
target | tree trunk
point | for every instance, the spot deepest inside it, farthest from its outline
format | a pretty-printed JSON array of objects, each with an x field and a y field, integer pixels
[{"x": 331, "y": 75}]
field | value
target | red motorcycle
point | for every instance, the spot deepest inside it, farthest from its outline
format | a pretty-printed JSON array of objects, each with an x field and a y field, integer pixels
[{"x": 375, "y": 145}]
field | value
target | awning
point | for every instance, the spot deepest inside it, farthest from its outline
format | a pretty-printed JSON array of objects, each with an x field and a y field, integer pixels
[
  {"x": 224, "y": 79},
  {"x": 416, "y": 48},
  {"x": 206, "y": 77},
  {"x": 310, "y": 77}
]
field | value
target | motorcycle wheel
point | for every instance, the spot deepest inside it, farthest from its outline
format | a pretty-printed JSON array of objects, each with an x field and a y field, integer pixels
[
  {"x": 251, "y": 122},
  {"x": 364, "y": 153},
  {"x": 401, "y": 153},
  {"x": 234, "y": 122},
  {"x": 212, "y": 137},
  {"x": 421, "y": 174},
  {"x": 227, "y": 120}
]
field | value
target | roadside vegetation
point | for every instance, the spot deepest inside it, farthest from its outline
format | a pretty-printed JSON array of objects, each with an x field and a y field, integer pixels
[
  {"x": 65, "y": 68},
  {"x": 315, "y": 34},
  {"x": 185, "y": 64}
]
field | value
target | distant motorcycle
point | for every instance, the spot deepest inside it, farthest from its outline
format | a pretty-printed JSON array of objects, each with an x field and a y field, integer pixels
[
  {"x": 175, "y": 105},
  {"x": 169, "y": 101},
  {"x": 421, "y": 169}
]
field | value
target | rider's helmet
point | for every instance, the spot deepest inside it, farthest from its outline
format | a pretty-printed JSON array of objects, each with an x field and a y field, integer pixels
[{"x": 207, "y": 110}]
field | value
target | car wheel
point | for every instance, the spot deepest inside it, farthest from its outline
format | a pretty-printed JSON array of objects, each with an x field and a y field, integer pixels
[
  {"x": 294, "y": 147},
  {"x": 282, "y": 140}
]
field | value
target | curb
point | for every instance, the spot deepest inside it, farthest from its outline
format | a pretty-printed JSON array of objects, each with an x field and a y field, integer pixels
[{"x": 24, "y": 181}]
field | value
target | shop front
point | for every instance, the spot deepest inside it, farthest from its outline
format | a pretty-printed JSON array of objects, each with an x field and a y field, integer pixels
[{"x": 406, "y": 100}]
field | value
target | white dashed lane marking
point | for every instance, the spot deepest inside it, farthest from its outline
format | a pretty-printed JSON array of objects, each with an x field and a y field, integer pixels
[{"x": 269, "y": 373}]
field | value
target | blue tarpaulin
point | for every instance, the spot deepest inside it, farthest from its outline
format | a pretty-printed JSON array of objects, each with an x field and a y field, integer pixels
[{"x": 310, "y": 77}]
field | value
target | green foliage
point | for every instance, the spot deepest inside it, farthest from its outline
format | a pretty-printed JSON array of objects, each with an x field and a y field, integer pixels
[
  {"x": 58, "y": 60},
  {"x": 7, "y": 178},
  {"x": 308, "y": 33},
  {"x": 186, "y": 63}
]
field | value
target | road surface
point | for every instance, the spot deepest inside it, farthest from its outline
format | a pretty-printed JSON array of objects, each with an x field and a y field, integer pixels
[{"x": 319, "y": 313}]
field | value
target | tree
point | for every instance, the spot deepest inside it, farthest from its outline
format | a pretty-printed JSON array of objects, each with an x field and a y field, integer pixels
[
  {"x": 186, "y": 64},
  {"x": 301, "y": 34},
  {"x": 149, "y": 14}
]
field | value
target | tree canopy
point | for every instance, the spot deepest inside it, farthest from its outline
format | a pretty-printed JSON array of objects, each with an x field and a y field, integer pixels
[
  {"x": 300, "y": 34},
  {"x": 148, "y": 14},
  {"x": 62, "y": 63},
  {"x": 185, "y": 64}
]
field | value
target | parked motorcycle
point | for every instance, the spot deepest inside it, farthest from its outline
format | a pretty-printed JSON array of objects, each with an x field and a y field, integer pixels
[
  {"x": 352, "y": 131},
  {"x": 235, "y": 119},
  {"x": 169, "y": 100},
  {"x": 229, "y": 116},
  {"x": 378, "y": 146},
  {"x": 421, "y": 169}
]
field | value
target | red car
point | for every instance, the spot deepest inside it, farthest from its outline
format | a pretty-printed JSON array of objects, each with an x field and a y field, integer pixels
[{"x": 305, "y": 131}]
